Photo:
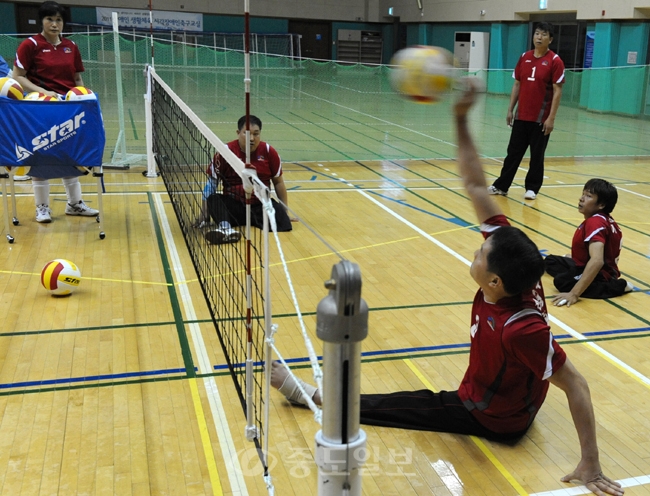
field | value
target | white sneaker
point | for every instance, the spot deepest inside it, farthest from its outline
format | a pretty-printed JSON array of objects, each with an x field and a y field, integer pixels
[
  {"x": 81, "y": 209},
  {"x": 22, "y": 178},
  {"x": 628, "y": 288},
  {"x": 530, "y": 195},
  {"x": 220, "y": 236},
  {"x": 496, "y": 191},
  {"x": 43, "y": 214}
]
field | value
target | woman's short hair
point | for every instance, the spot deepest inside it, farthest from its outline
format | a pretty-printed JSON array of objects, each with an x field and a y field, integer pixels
[{"x": 48, "y": 9}]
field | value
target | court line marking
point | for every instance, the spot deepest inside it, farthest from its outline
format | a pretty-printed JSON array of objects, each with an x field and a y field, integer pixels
[
  {"x": 477, "y": 441},
  {"x": 573, "y": 491},
  {"x": 219, "y": 418},
  {"x": 635, "y": 193},
  {"x": 600, "y": 351}
]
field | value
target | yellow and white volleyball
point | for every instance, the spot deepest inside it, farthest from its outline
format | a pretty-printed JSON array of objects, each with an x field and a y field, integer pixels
[
  {"x": 11, "y": 88},
  {"x": 60, "y": 277},
  {"x": 41, "y": 97},
  {"x": 423, "y": 73},
  {"x": 80, "y": 93}
]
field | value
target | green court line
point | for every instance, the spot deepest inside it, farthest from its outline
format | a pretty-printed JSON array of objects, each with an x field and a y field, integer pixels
[
  {"x": 647, "y": 322},
  {"x": 400, "y": 139},
  {"x": 209, "y": 321},
  {"x": 173, "y": 297},
  {"x": 310, "y": 136},
  {"x": 380, "y": 143}
]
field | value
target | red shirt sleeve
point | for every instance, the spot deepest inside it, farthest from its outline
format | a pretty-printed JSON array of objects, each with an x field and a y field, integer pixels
[
  {"x": 558, "y": 70},
  {"x": 492, "y": 224},
  {"x": 596, "y": 229},
  {"x": 24, "y": 54},
  {"x": 517, "y": 72},
  {"x": 275, "y": 164}
]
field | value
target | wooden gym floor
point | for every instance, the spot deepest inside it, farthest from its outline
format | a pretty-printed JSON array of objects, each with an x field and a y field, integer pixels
[{"x": 94, "y": 398}]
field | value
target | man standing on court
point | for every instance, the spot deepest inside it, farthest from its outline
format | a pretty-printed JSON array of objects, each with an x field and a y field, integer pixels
[{"x": 537, "y": 90}]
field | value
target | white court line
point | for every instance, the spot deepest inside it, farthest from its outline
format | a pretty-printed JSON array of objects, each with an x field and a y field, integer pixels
[
  {"x": 634, "y": 193},
  {"x": 573, "y": 491},
  {"x": 228, "y": 450}
]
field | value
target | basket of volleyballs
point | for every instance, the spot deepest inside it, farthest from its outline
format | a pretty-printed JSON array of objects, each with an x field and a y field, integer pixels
[
  {"x": 11, "y": 88},
  {"x": 423, "y": 74},
  {"x": 80, "y": 93},
  {"x": 60, "y": 277}
]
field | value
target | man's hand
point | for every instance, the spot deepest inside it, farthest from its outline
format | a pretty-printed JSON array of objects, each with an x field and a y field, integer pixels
[
  {"x": 596, "y": 481},
  {"x": 567, "y": 299},
  {"x": 510, "y": 118},
  {"x": 548, "y": 126},
  {"x": 467, "y": 99}
]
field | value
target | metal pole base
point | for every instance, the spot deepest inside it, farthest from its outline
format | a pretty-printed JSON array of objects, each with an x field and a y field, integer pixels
[{"x": 339, "y": 465}]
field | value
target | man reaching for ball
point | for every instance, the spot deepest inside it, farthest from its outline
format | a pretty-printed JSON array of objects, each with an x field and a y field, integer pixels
[{"x": 513, "y": 356}]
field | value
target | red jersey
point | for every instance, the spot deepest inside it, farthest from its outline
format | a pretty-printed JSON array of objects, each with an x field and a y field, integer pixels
[
  {"x": 264, "y": 159},
  {"x": 512, "y": 354},
  {"x": 536, "y": 78},
  {"x": 599, "y": 227},
  {"x": 50, "y": 67}
]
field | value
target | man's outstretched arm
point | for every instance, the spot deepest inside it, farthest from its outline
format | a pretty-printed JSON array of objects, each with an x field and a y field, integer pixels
[
  {"x": 588, "y": 471},
  {"x": 469, "y": 164}
]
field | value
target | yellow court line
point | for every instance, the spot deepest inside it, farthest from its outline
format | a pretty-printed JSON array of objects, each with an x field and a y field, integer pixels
[
  {"x": 479, "y": 443},
  {"x": 12, "y": 272},
  {"x": 329, "y": 254},
  {"x": 215, "y": 481},
  {"x": 377, "y": 244}
]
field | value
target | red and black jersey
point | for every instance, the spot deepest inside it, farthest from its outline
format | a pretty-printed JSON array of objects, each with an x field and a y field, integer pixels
[
  {"x": 603, "y": 228},
  {"x": 512, "y": 354},
  {"x": 50, "y": 67},
  {"x": 536, "y": 78},
  {"x": 264, "y": 159}
]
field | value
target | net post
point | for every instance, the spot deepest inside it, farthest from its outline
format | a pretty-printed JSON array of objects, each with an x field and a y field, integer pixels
[
  {"x": 341, "y": 323},
  {"x": 151, "y": 162},
  {"x": 251, "y": 429}
]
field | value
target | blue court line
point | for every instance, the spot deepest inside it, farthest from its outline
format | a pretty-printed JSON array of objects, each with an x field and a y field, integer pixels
[
  {"x": 420, "y": 349},
  {"x": 241, "y": 366},
  {"x": 104, "y": 377},
  {"x": 453, "y": 220}
]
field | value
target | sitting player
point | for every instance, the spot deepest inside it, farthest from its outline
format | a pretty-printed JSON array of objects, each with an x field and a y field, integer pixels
[
  {"x": 513, "y": 356},
  {"x": 228, "y": 209},
  {"x": 591, "y": 271}
]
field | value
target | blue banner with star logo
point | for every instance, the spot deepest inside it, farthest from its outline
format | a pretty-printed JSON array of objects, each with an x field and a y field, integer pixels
[{"x": 51, "y": 133}]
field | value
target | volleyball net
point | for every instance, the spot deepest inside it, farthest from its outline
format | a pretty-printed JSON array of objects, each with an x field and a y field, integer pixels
[{"x": 232, "y": 276}]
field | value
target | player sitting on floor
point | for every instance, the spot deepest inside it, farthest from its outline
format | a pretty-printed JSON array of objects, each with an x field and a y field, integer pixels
[
  {"x": 591, "y": 271},
  {"x": 513, "y": 356},
  {"x": 228, "y": 209}
]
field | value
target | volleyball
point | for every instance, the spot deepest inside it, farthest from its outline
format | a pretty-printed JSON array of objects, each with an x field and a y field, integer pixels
[
  {"x": 423, "y": 73},
  {"x": 41, "y": 97},
  {"x": 11, "y": 88},
  {"x": 60, "y": 277},
  {"x": 80, "y": 93}
]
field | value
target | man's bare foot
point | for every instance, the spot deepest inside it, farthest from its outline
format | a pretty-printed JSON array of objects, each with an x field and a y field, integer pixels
[{"x": 288, "y": 386}]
